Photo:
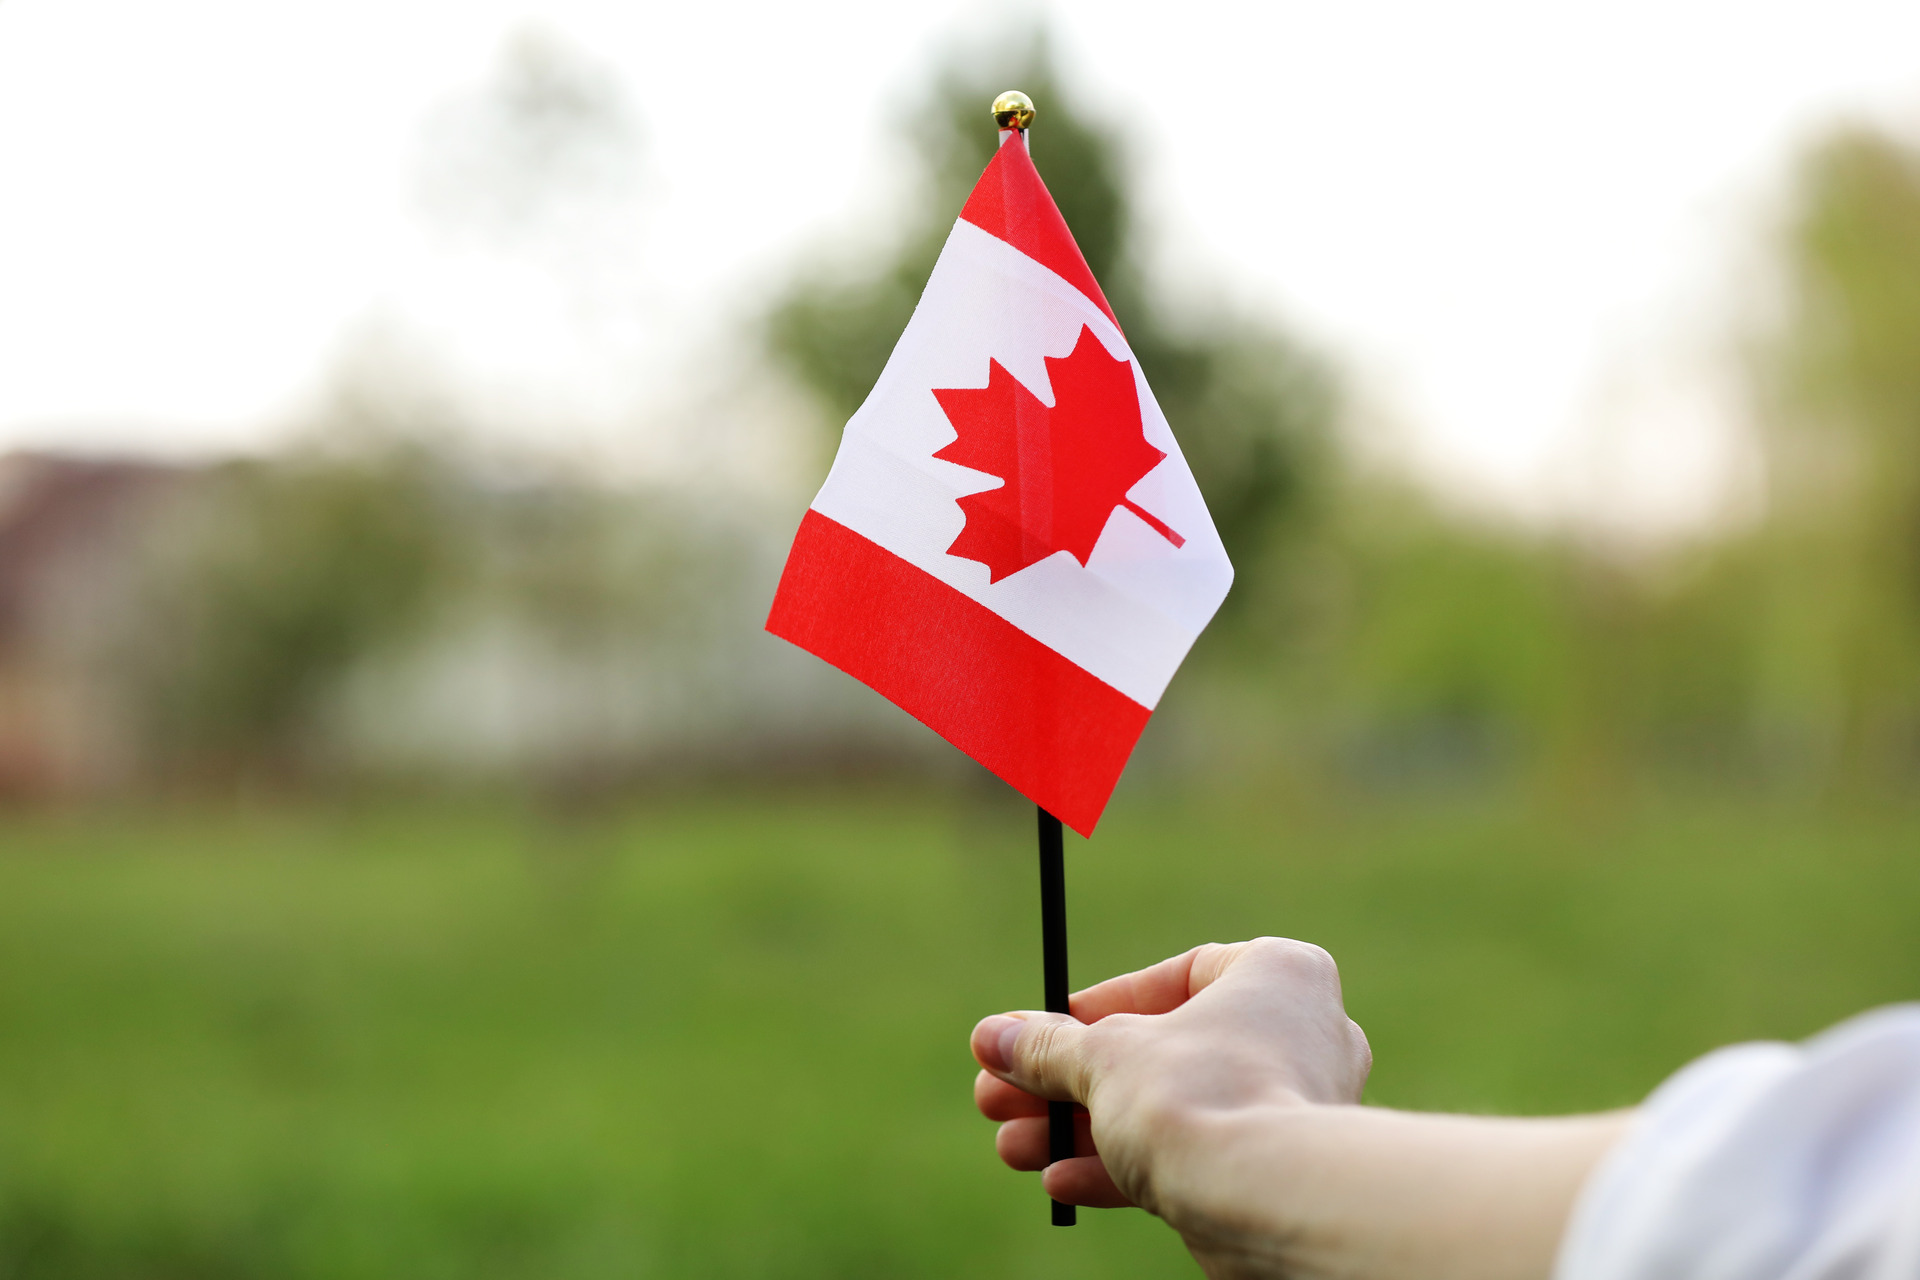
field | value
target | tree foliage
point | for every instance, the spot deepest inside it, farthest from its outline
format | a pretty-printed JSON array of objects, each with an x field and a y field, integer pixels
[
  {"x": 1842, "y": 560},
  {"x": 289, "y": 574}
]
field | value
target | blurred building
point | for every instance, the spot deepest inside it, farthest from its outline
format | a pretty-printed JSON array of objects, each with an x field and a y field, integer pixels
[
  {"x": 400, "y": 619},
  {"x": 71, "y": 533}
]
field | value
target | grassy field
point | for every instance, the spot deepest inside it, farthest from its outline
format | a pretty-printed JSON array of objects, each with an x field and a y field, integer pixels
[{"x": 725, "y": 1036}]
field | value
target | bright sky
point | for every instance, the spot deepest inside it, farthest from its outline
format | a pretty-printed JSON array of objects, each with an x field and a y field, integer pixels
[{"x": 1525, "y": 226}]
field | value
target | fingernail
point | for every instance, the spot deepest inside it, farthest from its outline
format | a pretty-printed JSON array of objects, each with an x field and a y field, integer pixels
[{"x": 993, "y": 1041}]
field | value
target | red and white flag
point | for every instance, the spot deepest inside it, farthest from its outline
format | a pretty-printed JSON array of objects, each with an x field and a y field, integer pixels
[{"x": 1010, "y": 546}]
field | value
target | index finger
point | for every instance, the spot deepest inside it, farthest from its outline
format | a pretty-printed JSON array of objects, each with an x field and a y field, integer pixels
[
  {"x": 1159, "y": 988},
  {"x": 999, "y": 1100}
]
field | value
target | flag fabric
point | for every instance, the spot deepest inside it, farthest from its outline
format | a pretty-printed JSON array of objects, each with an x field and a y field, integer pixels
[{"x": 1009, "y": 545}]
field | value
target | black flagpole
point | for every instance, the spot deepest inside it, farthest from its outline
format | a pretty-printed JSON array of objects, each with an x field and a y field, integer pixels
[
  {"x": 1013, "y": 112},
  {"x": 1053, "y": 941}
]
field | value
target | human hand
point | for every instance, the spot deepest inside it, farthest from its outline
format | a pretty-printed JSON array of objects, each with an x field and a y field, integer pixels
[
  {"x": 1220, "y": 1091},
  {"x": 1152, "y": 1054}
]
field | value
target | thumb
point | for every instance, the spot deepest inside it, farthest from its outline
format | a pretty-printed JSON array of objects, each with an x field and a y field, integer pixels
[{"x": 1041, "y": 1053}]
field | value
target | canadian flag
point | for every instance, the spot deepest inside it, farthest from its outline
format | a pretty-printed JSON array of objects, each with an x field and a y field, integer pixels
[{"x": 1009, "y": 545}]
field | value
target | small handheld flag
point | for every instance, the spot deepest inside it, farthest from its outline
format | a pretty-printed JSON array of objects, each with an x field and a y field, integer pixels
[{"x": 1009, "y": 545}]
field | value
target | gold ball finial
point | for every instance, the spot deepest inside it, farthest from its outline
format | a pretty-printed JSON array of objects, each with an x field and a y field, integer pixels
[{"x": 1013, "y": 110}]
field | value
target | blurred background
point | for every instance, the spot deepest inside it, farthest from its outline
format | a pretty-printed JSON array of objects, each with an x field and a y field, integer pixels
[{"x": 415, "y": 860}]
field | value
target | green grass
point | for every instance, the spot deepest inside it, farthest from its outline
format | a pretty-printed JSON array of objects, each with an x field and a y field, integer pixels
[{"x": 726, "y": 1036}]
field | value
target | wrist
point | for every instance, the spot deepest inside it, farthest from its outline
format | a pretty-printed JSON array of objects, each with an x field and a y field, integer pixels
[{"x": 1304, "y": 1190}]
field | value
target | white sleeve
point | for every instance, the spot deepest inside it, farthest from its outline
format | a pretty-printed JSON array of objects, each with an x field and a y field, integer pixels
[{"x": 1767, "y": 1162}]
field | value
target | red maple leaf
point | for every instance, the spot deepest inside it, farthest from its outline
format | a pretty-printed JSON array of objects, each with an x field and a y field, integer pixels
[{"x": 1066, "y": 468}]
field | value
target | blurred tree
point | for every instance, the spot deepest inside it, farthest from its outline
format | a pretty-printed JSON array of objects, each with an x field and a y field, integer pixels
[
  {"x": 550, "y": 130},
  {"x": 1842, "y": 658},
  {"x": 1793, "y": 650},
  {"x": 541, "y": 164},
  {"x": 289, "y": 572},
  {"x": 1252, "y": 408}
]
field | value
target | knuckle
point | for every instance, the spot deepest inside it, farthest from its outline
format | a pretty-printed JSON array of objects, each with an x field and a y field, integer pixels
[
  {"x": 1302, "y": 958},
  {"x": 1362, "y": 1049},
  {"x": 1048, "y": 1058},
  {"x": 1212, "y": 960},
  {"x": 1205, "y": 963},
  {"x": 1038, "y": 1046}
]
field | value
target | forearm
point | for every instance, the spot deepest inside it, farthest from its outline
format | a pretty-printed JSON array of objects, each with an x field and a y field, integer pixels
[{"x": 1371, "y": 1194}]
